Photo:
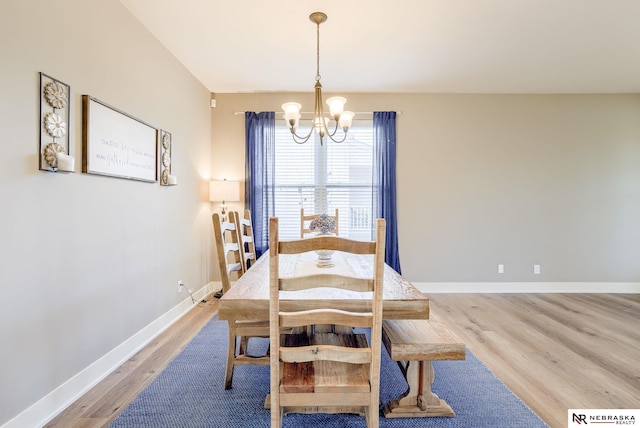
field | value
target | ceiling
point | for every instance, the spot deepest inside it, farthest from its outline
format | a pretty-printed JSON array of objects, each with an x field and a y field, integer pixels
[{"x": 421, "y": 46}]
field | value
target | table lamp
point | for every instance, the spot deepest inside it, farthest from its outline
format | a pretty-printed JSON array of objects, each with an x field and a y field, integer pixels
[{"x": 224, "y": 191}]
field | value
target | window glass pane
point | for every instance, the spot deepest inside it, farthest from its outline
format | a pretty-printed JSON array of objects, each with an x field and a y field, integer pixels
[{"x": 323, "y": 178}]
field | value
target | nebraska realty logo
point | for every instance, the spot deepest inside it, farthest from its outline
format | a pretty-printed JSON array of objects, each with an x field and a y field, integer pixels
[{"x": 600, "y": 417}]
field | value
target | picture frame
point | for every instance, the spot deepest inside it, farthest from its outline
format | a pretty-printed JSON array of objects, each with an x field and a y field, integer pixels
[
  {"x": 116, "y": 144},
  {"x": 54, "y": 122}
]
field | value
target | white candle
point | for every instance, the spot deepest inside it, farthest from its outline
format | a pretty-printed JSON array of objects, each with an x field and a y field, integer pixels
[
  {"x": 65, "y": 162},
  {"x": 172, "y": 180}
]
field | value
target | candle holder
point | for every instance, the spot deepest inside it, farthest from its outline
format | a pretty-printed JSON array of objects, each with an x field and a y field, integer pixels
[
  {"x": 54, "y": 126},
  {"x": 166, "y": 179}
]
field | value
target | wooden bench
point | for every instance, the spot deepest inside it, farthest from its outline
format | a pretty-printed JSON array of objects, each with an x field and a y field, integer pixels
[{"x": 414, "y": 344}]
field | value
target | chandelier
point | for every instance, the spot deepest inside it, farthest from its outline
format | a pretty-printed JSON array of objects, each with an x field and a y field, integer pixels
[{"x": 321, "y": 124}]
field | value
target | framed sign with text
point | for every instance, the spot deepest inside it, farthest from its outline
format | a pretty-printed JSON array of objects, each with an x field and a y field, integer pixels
[{"x": 117, "y": 144}]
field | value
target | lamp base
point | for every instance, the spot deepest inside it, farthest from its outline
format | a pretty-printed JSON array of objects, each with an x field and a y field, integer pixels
[{"x": 223, "y": 212}]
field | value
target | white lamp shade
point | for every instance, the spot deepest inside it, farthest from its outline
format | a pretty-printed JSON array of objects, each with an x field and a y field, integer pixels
[
  {"x": 291, "y": 107},
  {"x": 345, "y": 119},
  {"x": 336, "y": 105},
  {"x": 292, "y": 114},
  {"x": 224, "y": 190},
  {"x": 320, "y": 123},
  {"x": 292, "y": 120}
]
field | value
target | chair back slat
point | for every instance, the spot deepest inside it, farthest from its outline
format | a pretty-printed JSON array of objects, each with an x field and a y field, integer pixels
[
  {"x": 326, "y": 316},
  {"x": 326, "y": 242},
  {"x": 325, "y": 353},
  {"x": 327, "y": 280}
]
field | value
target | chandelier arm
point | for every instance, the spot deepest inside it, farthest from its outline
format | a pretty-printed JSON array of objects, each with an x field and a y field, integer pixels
[
  {"x": 344, "y": 137},
  {"x": 331, "y": 134},
  {"x": 301, "y": 139},
  {"x": 326, "y": 128}
]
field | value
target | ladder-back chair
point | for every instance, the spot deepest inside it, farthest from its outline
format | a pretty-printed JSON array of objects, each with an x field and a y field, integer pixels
[
  {"x": 325, "y": 372},
  {"x": 229, "y": 258}
]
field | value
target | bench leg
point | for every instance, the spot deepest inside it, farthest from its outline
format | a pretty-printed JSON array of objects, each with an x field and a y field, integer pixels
[{"x": 418, "y": 400}]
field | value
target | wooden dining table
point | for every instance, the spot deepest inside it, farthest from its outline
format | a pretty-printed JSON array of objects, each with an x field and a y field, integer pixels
[{"x": 248, "y": 298}]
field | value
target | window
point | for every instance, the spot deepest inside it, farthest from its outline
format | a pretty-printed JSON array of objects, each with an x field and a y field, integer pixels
[{"x": 323, "y": 178}]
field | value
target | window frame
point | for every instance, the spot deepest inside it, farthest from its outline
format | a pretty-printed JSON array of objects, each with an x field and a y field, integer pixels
[{"x": 355, "y": 222}]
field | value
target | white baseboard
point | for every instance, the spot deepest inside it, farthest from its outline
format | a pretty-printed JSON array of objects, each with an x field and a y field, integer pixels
[
  {"x": 215, "y": 286},
  {"x": 63, "y": 396},
  {"x": 528, "y": 287}
]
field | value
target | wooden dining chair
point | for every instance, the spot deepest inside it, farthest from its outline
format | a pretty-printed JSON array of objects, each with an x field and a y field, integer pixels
[
  {"x": 229, "y": 257},
  {"x": 325, "y": 372},
  {"x": 240, "y": 331},
  {"x": 245, "y": 233},
  {"x": 306, "y": 219}
]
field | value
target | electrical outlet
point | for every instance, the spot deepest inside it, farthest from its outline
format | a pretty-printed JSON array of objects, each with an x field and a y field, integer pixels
[
  {"x": 536, "y": 269},
  {"x": 500, "y": 268},
  {"x": 180, "y": 285}
]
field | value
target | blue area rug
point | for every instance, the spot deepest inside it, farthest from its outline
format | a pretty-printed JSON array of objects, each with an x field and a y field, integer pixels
[{"x": 190, "y": 393}]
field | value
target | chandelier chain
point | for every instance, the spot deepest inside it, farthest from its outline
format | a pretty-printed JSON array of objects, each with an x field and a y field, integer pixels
[{"x": 317, "y": 52}]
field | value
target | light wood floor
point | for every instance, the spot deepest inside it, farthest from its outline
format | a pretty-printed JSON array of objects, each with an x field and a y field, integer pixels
[{"x": 555, "y": 351}]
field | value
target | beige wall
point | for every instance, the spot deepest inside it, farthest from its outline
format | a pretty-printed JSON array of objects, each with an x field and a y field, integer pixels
[
  {"x": 519, "y": 180},
  {"x": 88, "y": 261}
]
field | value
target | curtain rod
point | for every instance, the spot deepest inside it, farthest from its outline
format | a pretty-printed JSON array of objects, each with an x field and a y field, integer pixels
[{"x": 310, "y": 112}]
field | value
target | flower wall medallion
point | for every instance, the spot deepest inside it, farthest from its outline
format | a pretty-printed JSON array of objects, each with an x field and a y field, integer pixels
[
  {"x": 165, "y": 165},
  {"x": 51, "y": 151},
  {"x": 56, "y": 95},
  {"x": 55, "y": 125},
  {"x": 166, "y": 140},
  {"x": 54, "y": 121}
]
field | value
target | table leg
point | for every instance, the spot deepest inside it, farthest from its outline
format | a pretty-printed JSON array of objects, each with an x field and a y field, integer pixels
[{"x": 418, "y": 400}]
